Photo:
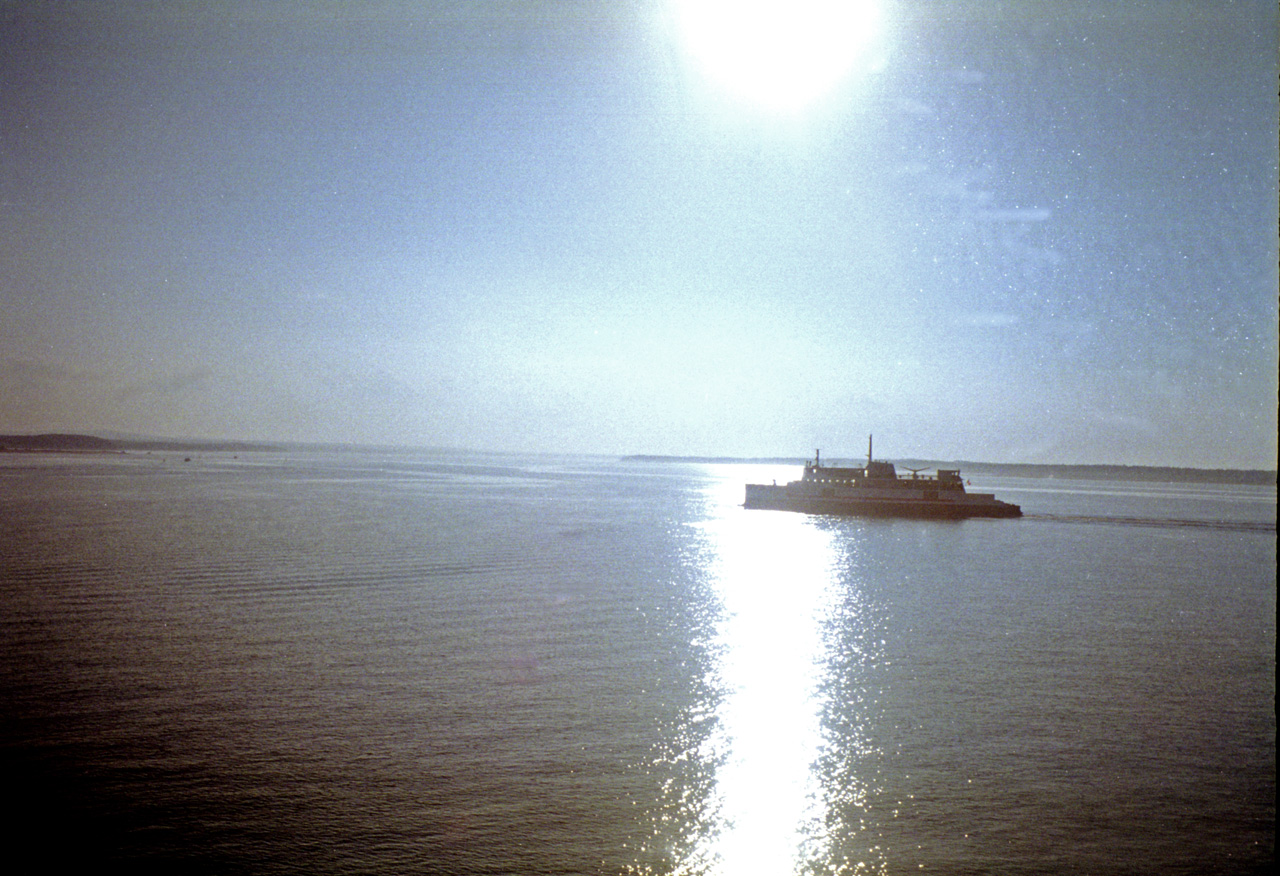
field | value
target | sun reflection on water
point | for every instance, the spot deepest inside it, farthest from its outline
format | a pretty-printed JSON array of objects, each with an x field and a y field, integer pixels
[
  {"x": 772, "y": 579},
  {"x": 772, "y": 763},
  {"x": 773, "y": 575}
]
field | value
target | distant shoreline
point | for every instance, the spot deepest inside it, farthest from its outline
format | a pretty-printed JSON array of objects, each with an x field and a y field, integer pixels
[
  {"x": 1143, "y": 473},
  {"x": 92, "y": 444}
]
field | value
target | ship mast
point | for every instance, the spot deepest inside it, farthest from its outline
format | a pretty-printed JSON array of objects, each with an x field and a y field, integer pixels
[{"x": 868, "y": 450}]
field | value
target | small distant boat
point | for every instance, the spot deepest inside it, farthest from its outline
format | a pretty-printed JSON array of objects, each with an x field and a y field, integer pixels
[{"x": 877, "y": 490}]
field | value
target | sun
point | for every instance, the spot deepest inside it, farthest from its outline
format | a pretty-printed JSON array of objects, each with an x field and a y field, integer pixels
[{"x": 780, "y": 54}]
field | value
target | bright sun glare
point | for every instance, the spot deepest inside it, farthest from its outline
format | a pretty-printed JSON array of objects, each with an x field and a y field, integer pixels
[{"x": 782, "y": 54}]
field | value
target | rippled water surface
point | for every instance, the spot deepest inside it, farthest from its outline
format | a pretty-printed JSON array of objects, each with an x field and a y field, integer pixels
[{"x": 433, "y": 663}]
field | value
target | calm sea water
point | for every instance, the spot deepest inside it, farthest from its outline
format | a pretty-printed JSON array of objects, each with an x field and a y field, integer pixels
[{"x": 430, "y": 663}]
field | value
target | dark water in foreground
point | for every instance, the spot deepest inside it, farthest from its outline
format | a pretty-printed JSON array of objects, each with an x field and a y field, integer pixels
[{"x": 354, "y": 663}]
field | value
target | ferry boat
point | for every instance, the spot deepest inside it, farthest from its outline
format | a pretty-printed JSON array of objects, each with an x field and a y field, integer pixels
[{"x": 877, "y": 489}]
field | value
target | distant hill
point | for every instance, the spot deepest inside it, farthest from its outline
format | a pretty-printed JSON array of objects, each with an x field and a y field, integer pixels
[
  {"x": 56, "y": 442},
  {"x": 1152, "y": 474},
  {"x": 71, "y": 443}
]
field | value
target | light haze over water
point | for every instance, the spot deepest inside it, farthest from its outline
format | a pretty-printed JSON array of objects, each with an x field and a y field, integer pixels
[
  {"x": 1032, "y": 231},
  {"x": 442, "y": 663}
]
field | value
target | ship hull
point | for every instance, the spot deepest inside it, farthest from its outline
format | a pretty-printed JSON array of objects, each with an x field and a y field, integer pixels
[{"x": 781, "y": 498}]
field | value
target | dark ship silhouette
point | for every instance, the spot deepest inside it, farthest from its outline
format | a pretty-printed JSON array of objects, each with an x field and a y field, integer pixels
[{"x": 876, "y": 489}]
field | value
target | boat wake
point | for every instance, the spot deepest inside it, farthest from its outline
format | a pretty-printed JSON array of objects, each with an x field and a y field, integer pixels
[{"x": 1161, "y": 522}]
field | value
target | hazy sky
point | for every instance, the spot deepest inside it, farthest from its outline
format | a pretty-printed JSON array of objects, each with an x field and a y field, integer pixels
[{"x": 1030, "y": 230}]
